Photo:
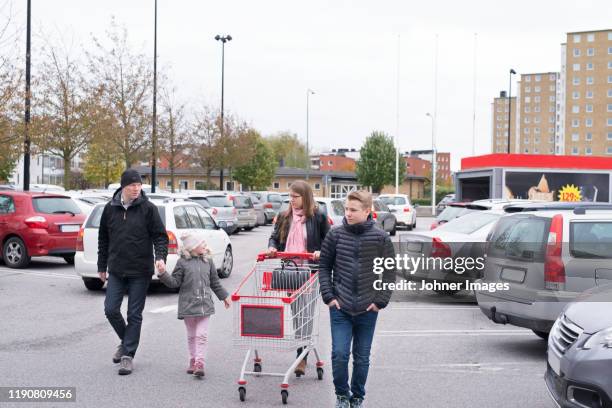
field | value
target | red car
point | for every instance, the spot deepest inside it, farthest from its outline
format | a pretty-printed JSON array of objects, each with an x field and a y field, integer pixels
[{"x": 37, "y": 224}]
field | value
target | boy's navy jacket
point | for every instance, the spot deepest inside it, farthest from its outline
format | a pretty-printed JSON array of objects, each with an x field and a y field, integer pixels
[
  {"x": 346, "y": 266},
  {"x": 196, "y": 278},
  {"x": 127, "y": 238}
]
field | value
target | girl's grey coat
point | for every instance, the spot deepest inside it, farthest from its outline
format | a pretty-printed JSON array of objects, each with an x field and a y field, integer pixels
[{"x": 197, "y": 278}]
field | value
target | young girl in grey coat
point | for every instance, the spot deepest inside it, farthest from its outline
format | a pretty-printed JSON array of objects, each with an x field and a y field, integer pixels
[{"x": 196, "y": 276}]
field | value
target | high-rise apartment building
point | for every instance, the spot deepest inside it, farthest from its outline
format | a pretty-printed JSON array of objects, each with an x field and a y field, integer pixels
[{"x": 500, "y": 109}]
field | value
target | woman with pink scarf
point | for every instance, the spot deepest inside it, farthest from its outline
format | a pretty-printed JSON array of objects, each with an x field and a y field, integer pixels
[{"x": 302, "y": 228}]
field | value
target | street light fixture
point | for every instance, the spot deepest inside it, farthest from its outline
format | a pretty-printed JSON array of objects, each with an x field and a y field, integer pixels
[
  {"x": 512, "y": 72},
  {"x": 223, "y": 39},
  {"x": 308, "y": 93},
  {"x": 434, "y": 164}
]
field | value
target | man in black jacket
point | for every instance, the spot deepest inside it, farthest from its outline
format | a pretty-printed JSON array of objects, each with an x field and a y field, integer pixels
[
  {"x": 130, "y": 229},
  {"x": 347, "y": 278}
]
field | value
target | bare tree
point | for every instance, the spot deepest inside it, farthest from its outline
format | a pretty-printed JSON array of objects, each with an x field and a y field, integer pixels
[
  {"x": 207, "y": 133},
  {"x": 125, "y": 79}
]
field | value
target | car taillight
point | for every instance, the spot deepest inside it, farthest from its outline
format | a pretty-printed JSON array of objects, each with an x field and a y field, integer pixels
[
  {"x": 37, "y": 222},
  {"x": 406, "y": 209},
  {"x": 433, "y": 226},
  {"x": 79, "y": 242},
  {"x": 214, "y": 211},
  {"x": 554, "y": 269},
  {"x": 172, "y": 243},
  {"x": 268, "y": 205},
  {"x": 374, "y": 215},
  {"x": 439, "y": 249},
  {"x": 329, "y": 220}
]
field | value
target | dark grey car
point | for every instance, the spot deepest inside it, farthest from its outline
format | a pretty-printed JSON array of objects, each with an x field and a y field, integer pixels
[
  {"x": 271, "y": 203},
  {"x": 579, "y": 369},
  {"x": 385, "y": 219}
]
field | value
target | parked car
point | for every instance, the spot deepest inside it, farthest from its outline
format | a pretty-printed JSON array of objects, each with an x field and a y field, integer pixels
[
  {"x": 247, "y": 217},
  {"x": 219, "y": 206},
  {"x": 85, "y": 202},
  {"x": 260, "y": 214},
  {"x": 37, "y": 224},
  {"x": 446, "y": 200},
  {"x": 384, "y": 218},
  {"x": 460, "y": 237},
  {"x": 178, "y": 217},
  {"x": 402, "y": 209},
  {"x": 547, "y": 257},
  {"x": 271, "y": 203},
  {"x": 330, "y": 207},
  {"x": 579, "y": 369}
]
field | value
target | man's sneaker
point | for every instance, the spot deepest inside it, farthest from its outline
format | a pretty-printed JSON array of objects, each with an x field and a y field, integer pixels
[
  {"x": 198, "y": 369},
  {"x": 356, "y": 402},
  {"x": 342, "y": 402},
  {"x": 126, "y": 365},
  {"x": 191, "y": 366},
  {"x": 118, "y": 354}
]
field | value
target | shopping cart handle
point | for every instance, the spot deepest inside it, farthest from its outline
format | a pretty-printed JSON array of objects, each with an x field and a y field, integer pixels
[{"x": 286, "y": 255}]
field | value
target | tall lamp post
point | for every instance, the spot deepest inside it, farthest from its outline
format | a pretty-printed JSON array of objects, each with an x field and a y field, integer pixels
[
  {"x": 434, "y": 164},
  {"x": 308, "y": 93},
  {"x": 223, "y": 39},
  {"x": 512, "y": 72},
  {"x": 27, "y": 142},
  {"x": 154, "y": 135}
]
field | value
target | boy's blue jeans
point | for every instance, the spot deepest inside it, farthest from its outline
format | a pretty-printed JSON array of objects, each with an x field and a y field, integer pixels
[
  {"x": 136, "y": 289},
  {"x": 359, "y": 330}
]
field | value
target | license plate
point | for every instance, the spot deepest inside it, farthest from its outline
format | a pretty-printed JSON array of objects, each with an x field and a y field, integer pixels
[
  {"x": 554, "y": 361},
  {"x": 244, "y": 211},
  {"x": 70, "y": 228}
]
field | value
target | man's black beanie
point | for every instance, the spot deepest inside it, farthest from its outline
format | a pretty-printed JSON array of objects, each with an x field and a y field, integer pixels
[{"x": 130, "y": 176}]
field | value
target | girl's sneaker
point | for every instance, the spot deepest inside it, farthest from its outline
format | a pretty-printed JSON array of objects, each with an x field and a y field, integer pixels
[
  {"x": 198, "y": 369},
  {"x": 191, "y": 366}
]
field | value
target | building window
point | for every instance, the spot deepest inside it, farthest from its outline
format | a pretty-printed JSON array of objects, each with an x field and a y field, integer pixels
[
  {"x": 589, "y": 107},
  {"x": 169, "y": 184},
  {"x": 576, "y": 52},
  {"x": 527, "y": 109},
  {"x": 527, "y": 78},
  {"x": 576, "y": 38},
  {"x": 589, "y": 66},
  {"x": 330, "y": 163},
  {"x": 526, "y": 150},
  {"x": 609, "y": 64},
  {"x": 574, "y": 150},
  {"x": 536, "y": 99},
  {"x": 551, "y": 88},
  {"x": 610, "y": 79},
  {"x": 184, "y": 185},
  {"x": 536, "y": 108},
  {"x": 528, "y": 99},
  {"x": 276, "y": 185},
  {"x": 588, "y": 122},
  {"x": 589, "y": 137},
  {"x": 317, "y": 186},
  {"x": 289, "y": 185},
  {"x": 536, "y": 119},
  {"x": 575, "y": 123},
  {"x": 536, "y": 150},
  {"x": 576, "y": 67},
  {"x": 589, "y": 80},
  {"x": 609, "y": 150},
  {"x": 609, "y": 107},
  {"x": 609, "y": 93},
  {"x": 575, "y": 137},
  {"x": 538, "y": 78},
  {"x": 551, "y": 139},
  {"x": 609, "y": 135},
  {"x": 610, "y": 36},
  {"x": 589, "y": 94},
  {"x": 551, "y": 131},
  {"x": 526, "y": 131},
  {"x": 536, "y": 131},
  {"x": 551, "y": 119},
  {"x": 588, "y": 151},
  {"x": 609, "y": 121},
  {"x": 537, "y": 89},
  {"x": 551, "y": 108},
  {"x": 552, "y": 77},
  {"x": 590, "y": 52},
  {"x": 590, "y": 37},
  {"x": 610, "y": 50},
  {"x": 575, "y": 95},
  {"x": 576, "y": 81},
  {"x": 575, "y": 109},
  {"x": 527, "y": 120},
  {"x": 527, "y": 89}
]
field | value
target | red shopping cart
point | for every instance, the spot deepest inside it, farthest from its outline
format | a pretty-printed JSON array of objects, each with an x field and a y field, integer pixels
[{"x": 277, "y": 308}]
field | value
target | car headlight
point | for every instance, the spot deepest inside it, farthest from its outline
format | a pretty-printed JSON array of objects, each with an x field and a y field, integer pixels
[{"x": 603, "y": 337}]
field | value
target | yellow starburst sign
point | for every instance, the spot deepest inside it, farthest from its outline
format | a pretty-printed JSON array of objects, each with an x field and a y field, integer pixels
[{"x": 569, "y": 193}]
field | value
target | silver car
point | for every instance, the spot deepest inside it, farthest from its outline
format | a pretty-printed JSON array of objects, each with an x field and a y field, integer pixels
[
  {"x": 579, "y": 369},
  {"x": 271, "y": 202},
  {"x": 247, "y": 218},
  {"x": 546, "y": 258}
]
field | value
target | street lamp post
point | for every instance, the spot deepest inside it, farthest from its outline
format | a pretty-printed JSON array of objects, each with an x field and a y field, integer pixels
[
  {"x": 223, "y": 39},
  {"x": 154, "y": 135},
  {"x": 512, "y": 71},
  {"x": 308, "y": 93},
  {"x": 434, "y": 164},
  {"x": 27, "y": 142}
]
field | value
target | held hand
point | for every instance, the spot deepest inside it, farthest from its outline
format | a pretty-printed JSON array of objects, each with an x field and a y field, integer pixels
[
  {"x": 227, "y": 302},
  {"x": 334, "y": 303},
  {"x": 271, "y": 251},
  {"x": 316, "y": 255},
  {"x": 372, "y": 308},
  {"x": 161, "y": 266},
  {"x": 102, "y": 276}
]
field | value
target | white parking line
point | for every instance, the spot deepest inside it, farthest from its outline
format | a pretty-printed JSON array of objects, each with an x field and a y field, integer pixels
[
  {"x": 164, "y": 309},
  {"x": 8, "y": 271},
  {"x": 477, "y": 332}
]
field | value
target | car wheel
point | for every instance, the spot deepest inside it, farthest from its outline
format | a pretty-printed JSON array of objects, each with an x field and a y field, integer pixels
[
  {"x": 15, "y": 253},
  {"x": 93, "y": 283},
  {"x": 409, "y": 227},
  {"x": 228, "y": 264},
  {"x": 449, "y": 292},
  {"x": 541, "y": 334},
  {"x": 394, "y": 230},
  {"x": 248, "y": 228},
  {"x": 69, "y": 259}
]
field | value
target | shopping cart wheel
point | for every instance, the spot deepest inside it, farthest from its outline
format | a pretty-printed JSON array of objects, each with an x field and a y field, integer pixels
[
  {"x": 242, "y": 393},
  {"x": 320, "y": 373},
  {"x": 257, "y": 367},
  {"x": 284, "y": 396}
]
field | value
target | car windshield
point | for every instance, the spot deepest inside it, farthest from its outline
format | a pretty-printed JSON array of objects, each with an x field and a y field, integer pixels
[
  {"x": 55, "y": 205},
  {"x": 469, "y": 223},
  {"x": 591, "y": 240},
  {"x": 201, "y": 200},
  {"x": 519, "y": 237},
  {"x": 219, "y": 201},
  {"x": 242, "y": 202},
  {"x": 450, "y": 213},
  {"x": 274, "y": 198},
  {"x": 393, "y": 200}
]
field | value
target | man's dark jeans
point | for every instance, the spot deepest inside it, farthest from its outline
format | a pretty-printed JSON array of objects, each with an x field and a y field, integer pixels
[
  {"x": 360, "y": 330},
  {"x": 136, "y": 289}
]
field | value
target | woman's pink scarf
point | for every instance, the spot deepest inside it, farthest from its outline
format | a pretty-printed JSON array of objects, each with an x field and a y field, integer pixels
[{"x": 296, "y": 241}]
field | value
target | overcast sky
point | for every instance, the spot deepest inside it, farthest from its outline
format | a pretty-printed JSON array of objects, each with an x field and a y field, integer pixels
[{"x": 347, "y": 52}]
